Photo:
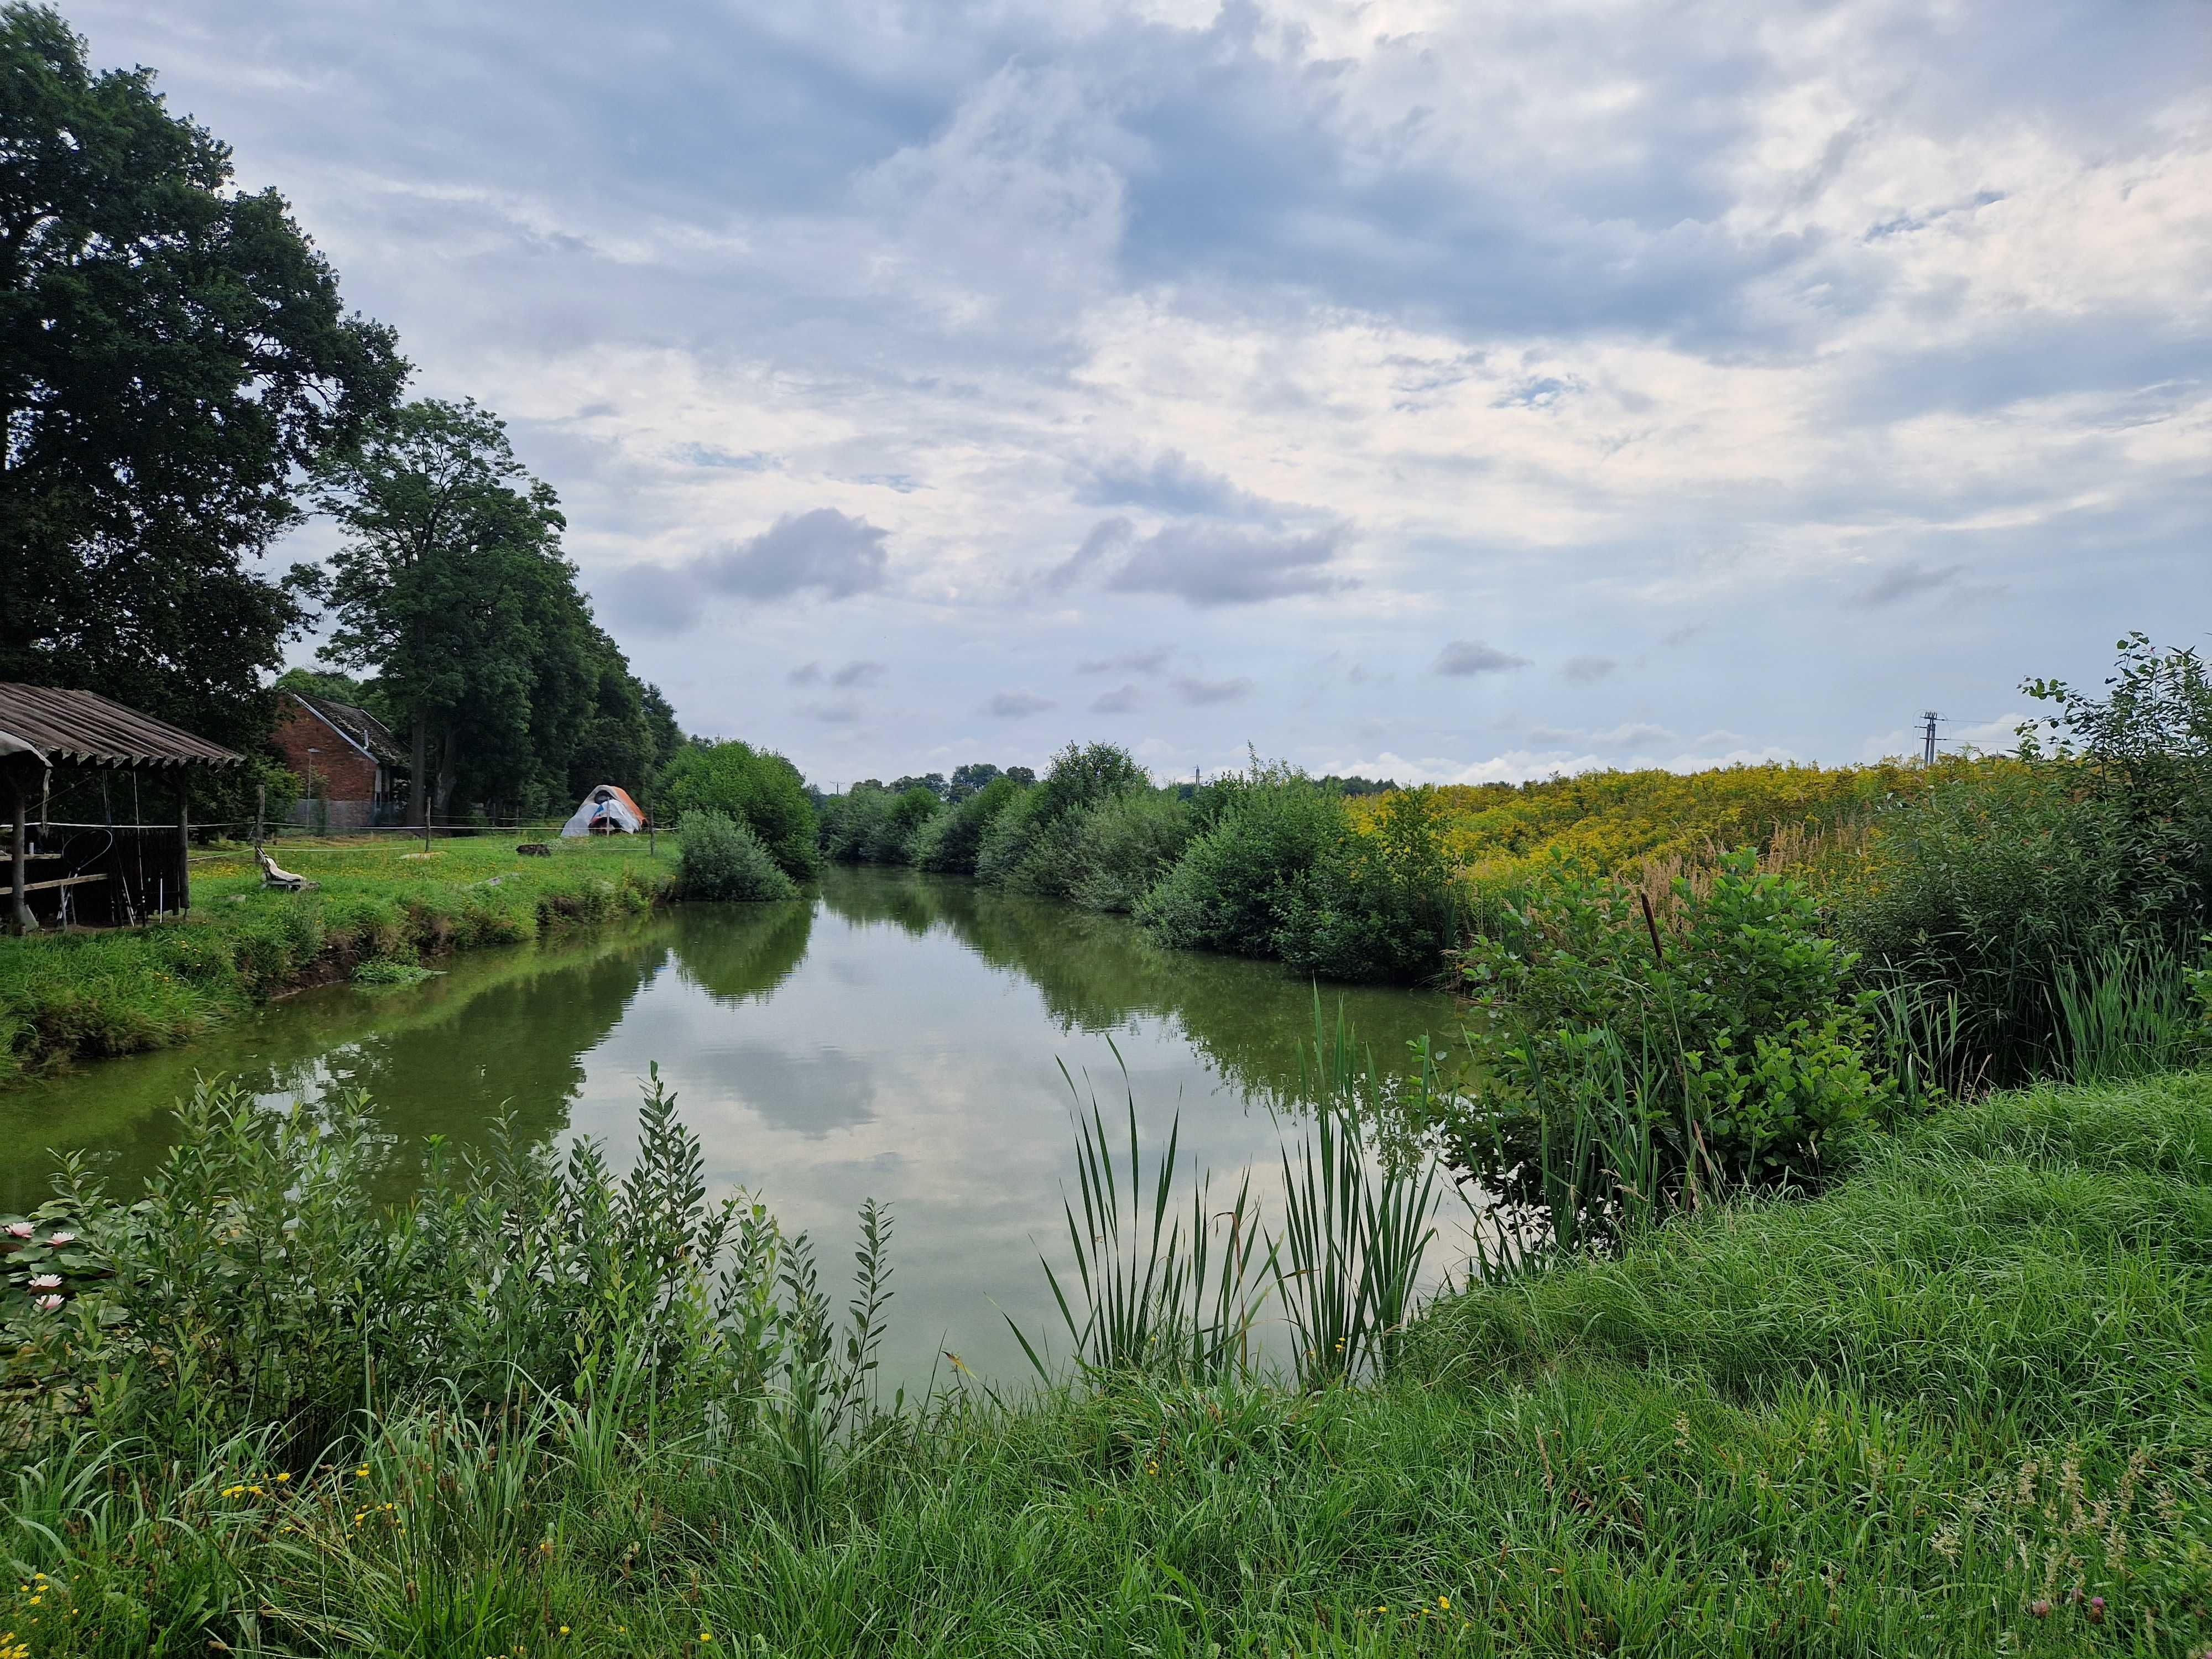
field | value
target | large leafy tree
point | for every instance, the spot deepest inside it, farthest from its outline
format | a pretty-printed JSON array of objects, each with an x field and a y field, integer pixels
[
  {"x": 173, "y": 354},
  {"x": 452, "y": 586}
]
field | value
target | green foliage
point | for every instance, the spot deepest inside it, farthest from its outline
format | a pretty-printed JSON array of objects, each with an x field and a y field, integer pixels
[
  {"x": 1618, "y": 1063},
  {"x": 868, "y": 824},
  {"x": 950, "y": 842},
  {"x": 1030, "y": 846},
  {"x": 1375, "y": 905},
  {"x": 1234, "y": 886},
  {"x": 173, "y": 352},
  {"x": 452, "y": 584},
  {"x": 1956, "y": 1404},
  {"x": 763, "y": 789},
  {"x": 1999, "y": 881},
  {"x": 724, "y": 860},
  {"x": 1124, "y": 844}
]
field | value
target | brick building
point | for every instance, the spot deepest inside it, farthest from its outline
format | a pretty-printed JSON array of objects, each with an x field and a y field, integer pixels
[{"x": 351, "y": 769}]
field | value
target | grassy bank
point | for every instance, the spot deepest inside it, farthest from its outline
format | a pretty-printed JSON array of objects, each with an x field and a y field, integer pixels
[
  {"x": 1961, "y": 1403},
  {"x": 71, "y": 997}
]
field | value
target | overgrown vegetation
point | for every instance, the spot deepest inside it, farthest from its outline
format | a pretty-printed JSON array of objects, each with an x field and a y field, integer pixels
[
  {"x": 723, "y": 859},
  {"x": 77, "y": 996},
  {"x": 756, "y": 788},
  {"x": 1955, "y": 1405}
]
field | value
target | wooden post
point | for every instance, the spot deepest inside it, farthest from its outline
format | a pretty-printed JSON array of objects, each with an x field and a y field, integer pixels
[
  {"x": 261, "y": 810},
  {"x": 19, "y": 908},
  {"x": 184, "y": 844}
]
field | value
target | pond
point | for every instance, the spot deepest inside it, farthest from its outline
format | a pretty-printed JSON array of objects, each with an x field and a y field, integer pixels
[{"x": 899, "y": 1035}]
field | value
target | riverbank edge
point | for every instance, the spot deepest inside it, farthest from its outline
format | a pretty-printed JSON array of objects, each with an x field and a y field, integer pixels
[{"x": 70, "y": 998}]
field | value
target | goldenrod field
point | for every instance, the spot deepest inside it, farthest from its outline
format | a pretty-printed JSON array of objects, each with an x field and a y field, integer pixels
[{"x": 1627, "y": 823}]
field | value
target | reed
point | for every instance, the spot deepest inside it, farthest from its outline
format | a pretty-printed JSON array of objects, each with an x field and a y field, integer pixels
[
  {"x": 1149, "y": 1291},
  {"x": 2130, "y": 1012}
]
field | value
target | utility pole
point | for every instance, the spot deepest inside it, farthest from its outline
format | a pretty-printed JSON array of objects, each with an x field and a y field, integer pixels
[{"x": 1928, "y": 754}]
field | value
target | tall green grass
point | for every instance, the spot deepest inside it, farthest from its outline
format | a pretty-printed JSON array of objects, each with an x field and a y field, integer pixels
[{"x": 1960, "y": 1403}]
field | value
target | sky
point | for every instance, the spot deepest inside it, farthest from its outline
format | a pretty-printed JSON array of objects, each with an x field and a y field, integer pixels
[{"x": 1449, "y": 392}]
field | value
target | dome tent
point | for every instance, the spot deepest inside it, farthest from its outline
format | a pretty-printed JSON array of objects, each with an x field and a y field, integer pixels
[{"x": 608, "y": 810}]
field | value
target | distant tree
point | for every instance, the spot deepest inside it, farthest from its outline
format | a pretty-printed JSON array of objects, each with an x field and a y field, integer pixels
[
  {"x": 324, "y": 682},
  {"x": 450, "y": 583},
  {"x": 173, "y": 354},
  {"x": 932, "y": 782},
  {"x": 1021, "y": 775},
  {"x": 967, "y": 780}
]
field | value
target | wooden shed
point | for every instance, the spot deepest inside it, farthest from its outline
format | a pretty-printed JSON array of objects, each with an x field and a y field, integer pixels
[{"x": 44, "y": 727}]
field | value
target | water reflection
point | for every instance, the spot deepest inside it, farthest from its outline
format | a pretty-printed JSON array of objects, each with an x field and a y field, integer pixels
[{"x": 901, "y": 1037}]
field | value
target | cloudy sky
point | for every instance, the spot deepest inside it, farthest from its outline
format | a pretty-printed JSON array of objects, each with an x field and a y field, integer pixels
[{"x": 1454, "y": 391}]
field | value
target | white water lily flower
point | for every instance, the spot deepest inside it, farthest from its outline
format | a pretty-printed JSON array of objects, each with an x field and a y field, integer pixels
[
  {"x": 19, "y": 1229},
  {"x": 62, "y": 1239},
  {"x": 46, "y": 1282},
  {"x": 46, "y": 1304}
]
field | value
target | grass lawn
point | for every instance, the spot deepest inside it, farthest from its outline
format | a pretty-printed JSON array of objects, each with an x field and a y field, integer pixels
[
  {"x": 1962, "y": 1404},
  {"x": 66, "y": 996}
]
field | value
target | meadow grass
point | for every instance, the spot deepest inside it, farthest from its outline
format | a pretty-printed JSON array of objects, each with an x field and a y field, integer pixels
[
  {"x": 1961, "y": 1403},
  {"x": 65, "y": 997}
]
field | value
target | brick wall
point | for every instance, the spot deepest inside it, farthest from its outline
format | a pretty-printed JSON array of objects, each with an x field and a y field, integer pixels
[{"x": 346, "y": 774}]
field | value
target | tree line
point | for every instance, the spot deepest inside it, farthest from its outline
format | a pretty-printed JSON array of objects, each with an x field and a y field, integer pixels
[{"x": 181, "y": 385}]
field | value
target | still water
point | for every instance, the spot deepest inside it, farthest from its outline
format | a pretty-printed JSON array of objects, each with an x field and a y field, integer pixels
[{"x": 900, "y": 1036}]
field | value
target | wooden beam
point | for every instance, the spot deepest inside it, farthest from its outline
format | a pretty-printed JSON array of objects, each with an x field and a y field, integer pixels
[
  {"x": 19, "y": 908},
  {"x": 184, "y": 843},
  {"x": 56, "y": 881}
]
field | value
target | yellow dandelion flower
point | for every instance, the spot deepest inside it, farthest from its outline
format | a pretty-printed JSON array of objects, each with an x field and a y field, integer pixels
[
  {"x": 363, "y": 1469},
  {"x": 281, "y": 1478}
]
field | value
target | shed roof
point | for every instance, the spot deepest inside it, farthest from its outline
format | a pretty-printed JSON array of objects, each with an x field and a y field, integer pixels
[
  {"x": 82, "y": 728},
  {"x": 358, "y": 727}
]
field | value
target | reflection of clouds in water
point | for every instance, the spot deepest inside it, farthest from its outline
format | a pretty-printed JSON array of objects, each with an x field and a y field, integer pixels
[{"x": 809, "y": 1092}]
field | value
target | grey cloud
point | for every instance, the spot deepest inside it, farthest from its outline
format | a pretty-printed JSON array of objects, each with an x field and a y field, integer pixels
[
  {"x": 1201, "y": 693},
  {"x": 1205, "y": 564},
  {"x": 1208, "y": 564},
  {"x": 1631, "y": 735},
  {"x": 1172, "y": 484},
  {"x": 858, "y": 674},
  {"x": 1465, "y": 657},
  {"x": 807, "y": 674},
  {"x": 1017, "y": 705},
  {"x": 824, "y": 549},
  {"x": 654, "y": 597},
  {"x": 1905, "y": 581},
  {"x": 1588, "y": 670},
  {"x": 1131, "y": 662},
  {"x": 1122, "y": 699},
  {"x": 1107, "y": 537},
  {"x": 841, "y": 712}
]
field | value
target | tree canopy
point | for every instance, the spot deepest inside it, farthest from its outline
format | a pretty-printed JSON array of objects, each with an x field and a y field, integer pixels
[
  {"x": 173, "y": 353},
  {"x": 452, "y": 586}
]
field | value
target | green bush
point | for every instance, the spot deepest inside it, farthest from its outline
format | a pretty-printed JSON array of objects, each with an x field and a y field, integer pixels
[
  {"x": 723, "y": 859},
  {"x": 762, "y": 789},
  {"x": 1615, "y": 1062},
  {"x": 1377, "y": 905},
  {"x": 2001, "y": 880},
  {"x": 1233, "y": 887},
  {"x": 949, "y": 842},
  {"x": 1031, "y": 846},
  {"x": 1126, "y": 843}
]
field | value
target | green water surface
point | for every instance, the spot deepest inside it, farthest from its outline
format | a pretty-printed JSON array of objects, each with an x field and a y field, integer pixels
[{"x": 899, "y": 1035}]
